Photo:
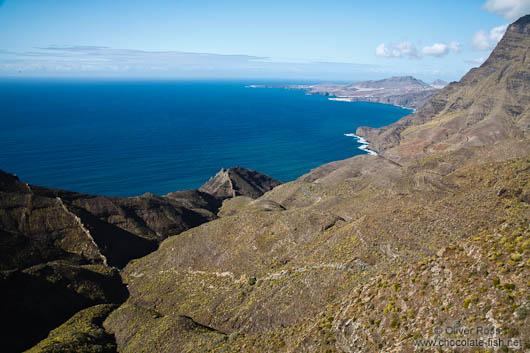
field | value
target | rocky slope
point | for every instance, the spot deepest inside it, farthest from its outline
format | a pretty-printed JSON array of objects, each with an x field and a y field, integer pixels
[
  {"x": 352, "y": 261},
  {"x": 41, "y": 225},
  {"x": 37, "y": 299},
  {"x": 58, "y": 248},
  {"x": 489, "y": 104},
  {"x": 83, "y": 332}
]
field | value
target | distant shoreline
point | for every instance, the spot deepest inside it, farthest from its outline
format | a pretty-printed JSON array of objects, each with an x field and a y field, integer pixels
[
  {"x": 351, "y": 100},
  {"x": 366, "y": 99}
]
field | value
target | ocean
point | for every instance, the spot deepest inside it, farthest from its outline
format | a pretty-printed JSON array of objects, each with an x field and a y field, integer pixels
[{"x": 125, "y": 138}]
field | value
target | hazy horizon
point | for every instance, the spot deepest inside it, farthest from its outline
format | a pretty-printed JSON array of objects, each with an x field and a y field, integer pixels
[{"x": 309, "y": 40}]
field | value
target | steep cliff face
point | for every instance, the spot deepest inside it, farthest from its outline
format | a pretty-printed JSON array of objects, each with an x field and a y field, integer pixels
[{"x": 489, "y": 104}]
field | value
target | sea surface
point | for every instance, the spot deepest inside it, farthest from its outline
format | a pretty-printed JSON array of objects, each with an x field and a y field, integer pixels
[{"x": 126, "y": 138}]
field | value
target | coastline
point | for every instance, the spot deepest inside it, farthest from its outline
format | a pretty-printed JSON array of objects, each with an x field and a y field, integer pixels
[
  {"x": 351, "y": 100},
  {"x": 368, "y": 99},
  {"x": 364, "y": 144}
]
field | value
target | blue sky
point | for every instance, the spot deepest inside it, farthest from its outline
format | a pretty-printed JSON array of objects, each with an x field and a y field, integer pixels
[{"x": 326, "y": 40}]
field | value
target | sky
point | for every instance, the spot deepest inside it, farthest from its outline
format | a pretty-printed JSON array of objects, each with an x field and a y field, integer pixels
[{"x": 340, "y": 40}]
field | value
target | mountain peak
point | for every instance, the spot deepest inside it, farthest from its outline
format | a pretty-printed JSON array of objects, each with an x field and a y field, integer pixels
[
  {"x": 238, "y": 181},
  {"x": 521, "y": 26},
  {"x": 439, "y": 83},
  {"x": 403, "y": 78},
  {"x": 394, "y": 82}
]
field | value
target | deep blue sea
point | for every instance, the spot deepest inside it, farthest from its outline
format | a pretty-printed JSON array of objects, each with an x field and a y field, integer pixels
[{"x": 126, "y": 138}]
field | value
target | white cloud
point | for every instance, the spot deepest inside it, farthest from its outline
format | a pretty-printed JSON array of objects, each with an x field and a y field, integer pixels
[
  {"x": 481, "y": 41},
  {"x": 496, "y": 33},
  {"x": 510, "y": 9},
  {"x": 437, "y": 49},
  {"x": 454, "y": 46},
  {"x": 487, "y": 41},
  {"x": 407, "y": 48},
  {"x": 441, "y": 49},
  {"x": 382, "y": 50},
  {"x": 397, "y": 50}
]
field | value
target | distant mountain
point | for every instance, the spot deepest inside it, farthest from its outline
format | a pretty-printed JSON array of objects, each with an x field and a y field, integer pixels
[
  {"x": 396, "y": 82},
  {"x": 404, "y": 91},
  {"x": 439, "y": 84},
  {"x": 489, "y": 104}
]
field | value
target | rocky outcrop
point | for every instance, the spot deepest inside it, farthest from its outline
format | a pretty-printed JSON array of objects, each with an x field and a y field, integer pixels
[
  {"x": 238, "y": 181},
  {"x": 489, "y": 104}
]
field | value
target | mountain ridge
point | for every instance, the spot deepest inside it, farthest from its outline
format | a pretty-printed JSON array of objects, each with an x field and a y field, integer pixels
[
  {"x": 60, "y": 245},
  {"x": 489, "y": 103}
]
